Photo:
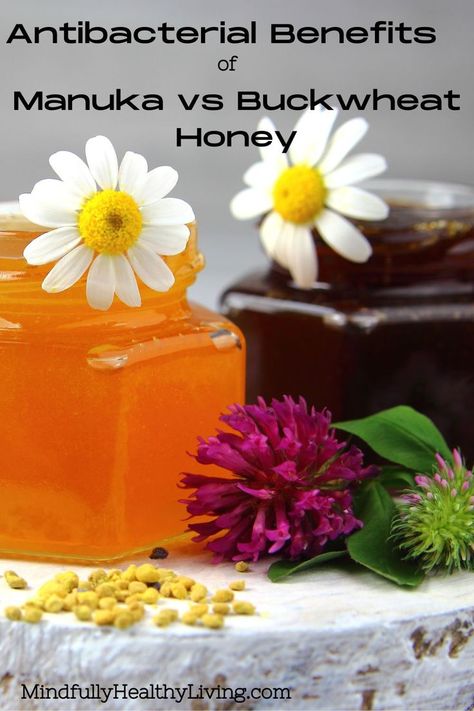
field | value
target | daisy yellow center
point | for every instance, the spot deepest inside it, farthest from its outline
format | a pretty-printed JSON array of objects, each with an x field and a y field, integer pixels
[
  {"x": 298, "y": 194},
  {"x": 110, "y": 222}
]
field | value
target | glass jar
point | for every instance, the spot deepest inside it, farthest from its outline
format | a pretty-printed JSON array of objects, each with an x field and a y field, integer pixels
[
  {"x": 100, "y": 409},
  {"x": 398, "y": 329}
]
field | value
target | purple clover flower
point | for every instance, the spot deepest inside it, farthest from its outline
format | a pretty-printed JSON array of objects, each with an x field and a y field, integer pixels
[{"x": 289, "y": 488}]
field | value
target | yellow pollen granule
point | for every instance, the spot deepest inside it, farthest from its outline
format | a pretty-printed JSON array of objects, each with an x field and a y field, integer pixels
[
  {"x": 70, "y": 601},
  {"x": 97, "y": 576},
  {"x": 110, "y": 222},
  {"x": 123, "y": 620},
  {"x": 13, "y": 613},
  {"x": 136, "y": 587},
  {"x": 147, "y": 573},
  {"x": 298, "y": 194},
  {"x": 54, "y": 603},
  {"x": 69, "y": 579},
  {"x": 242, "y": 566},
  {"x": 212, "y": 621},
  {"x": 179, "y": 591},
  {"x": 105, "y": 590},
  {"x": 237, "y": 585},
  {"x": 199, "y": 610},
  {"x": 189, "y": 618},
  {"x": 150, "y": 596},
  {"x": 165, "y": 617},
  {"x": 243, "y": 608},
  {"x": 107, "y": 603},
  {"x": 130, "y": 574},
  {"x": 187, "y": 582},
  {"x": 32, "y": 614},
  {"x": 221, "y": 608},
  {"x": 223, "y": 596},
  {"x": 198, "y": 592},
  {"x": 88, "y": 598},
  {"x": 122, "y": 595},
  {"x": 137, "y": 611},
  {"x": 83, "y": 613},
  {"x": 103, "y": 617},
  {"x": 15, "y": 581}
]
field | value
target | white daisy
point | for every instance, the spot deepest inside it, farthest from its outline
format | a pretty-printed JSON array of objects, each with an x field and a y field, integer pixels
[
  {"x": 113, "y": 220},
  {"x": 312, "y": 192}
]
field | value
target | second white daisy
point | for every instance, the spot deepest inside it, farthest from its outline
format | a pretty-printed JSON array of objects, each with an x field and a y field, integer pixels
[
  {"x": 314, "y": 192},
  {"x": 111, "y": 220}
]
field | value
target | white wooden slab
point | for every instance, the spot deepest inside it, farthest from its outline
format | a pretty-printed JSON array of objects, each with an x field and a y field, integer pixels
[{"x": 337, "y": 639}]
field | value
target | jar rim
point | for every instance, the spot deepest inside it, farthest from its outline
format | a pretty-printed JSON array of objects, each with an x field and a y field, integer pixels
[{"x": 426, "y": 194}]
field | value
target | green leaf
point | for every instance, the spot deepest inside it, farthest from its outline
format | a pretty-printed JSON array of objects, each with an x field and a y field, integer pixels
[
  {"x": 393, "y": 476},
  {"x": 372, "y": 546},
  {"x": 282, "y": 568},
  {"x": 401, "y": 435}
]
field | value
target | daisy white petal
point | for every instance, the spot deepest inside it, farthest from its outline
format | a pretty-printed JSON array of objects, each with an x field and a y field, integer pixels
[
  {"x": 42, "y": 213},
  {"x": 74, "y": 172},
  {"x": 355, "y": 169},
  {"x": 270, "y": 230},
  {"x": 102, "y": 161},
  {"x": 312, "y": 132},
  {"x": 56, "y": 192},
  {"x": 158, "y": 183},
  {"x": 261, "y": 176},
  {"x": 167, "y": 240},
  {"x": 272, "y": 154},
  {"x": 150, "y": 268},
  {"x": 126, "y": 286},
  {"x": 132, "y": 173},
  {"x": 250, "y": 203},
  {"x": 68, "y": 270},
  {"x": 169, "y": 211},
  {"x": 343, "y": 237},
  {"x": 343, "y": 141},
  {"x": 284, "y": 243},
  {"x": 52, "y": 245},
  {"x": 302, "y": 259},
  {"x": 100, "y": 286},
  {"x": 357, "y": 203}
]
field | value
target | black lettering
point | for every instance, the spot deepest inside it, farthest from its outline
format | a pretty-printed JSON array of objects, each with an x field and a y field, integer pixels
[
  {"x": 19, "y": 32},
  {"x": 282, "y": 34},
  {"x": 188, "y": 106},
  {"x": 18, "y": 99}
]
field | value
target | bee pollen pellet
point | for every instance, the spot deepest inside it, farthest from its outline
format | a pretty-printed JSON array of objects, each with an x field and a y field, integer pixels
[
  {"x": 147, "y": 573},
  {"x": 212, "y": 621},
  {"x": 103, "y": 617},
  {"x": 14, "y": 580},
  {"x": 221, "y": 608},
  {"x": 241, "y": 607},
  {"x": 198, "y": 592},
  {"x": 123, "y": 620},
  {"x": 241, "y": 566},
  {"x": 83, "y": 612},
  {"x": 179, "y": 591},
  {"x": 13, "y": 613},
  {"x": 189, "y": 618},
  {"x": 223, "y": 596},
  {"x": 237, "y": 585},
  {"x": 54, "y": 603},
  {"x": 32, "y": 614}
]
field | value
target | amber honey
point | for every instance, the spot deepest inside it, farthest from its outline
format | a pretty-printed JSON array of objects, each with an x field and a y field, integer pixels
[{"x": 100, "y": 409}]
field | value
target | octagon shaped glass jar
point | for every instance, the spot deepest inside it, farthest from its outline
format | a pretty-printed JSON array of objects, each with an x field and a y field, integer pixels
[
  {"x": 100, "y": 409},
  {"x": 398, "y": 329}
]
